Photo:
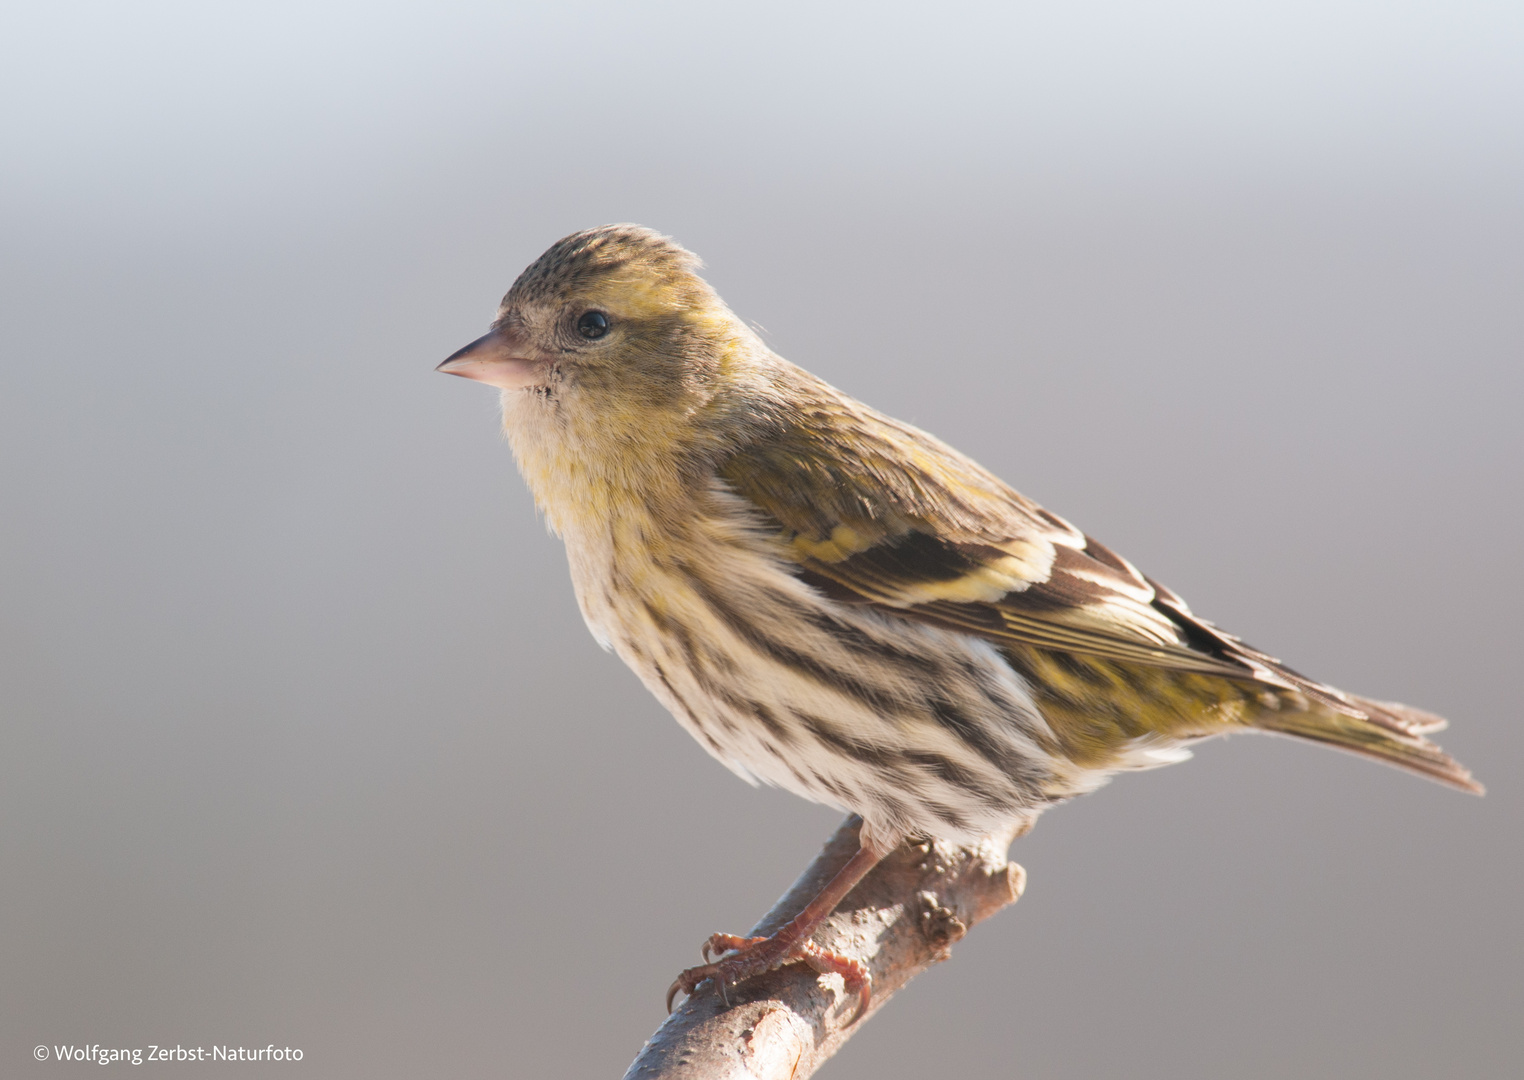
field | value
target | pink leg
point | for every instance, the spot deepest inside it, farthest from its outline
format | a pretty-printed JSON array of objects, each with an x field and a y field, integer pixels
[{"x": 745, "y": 957}]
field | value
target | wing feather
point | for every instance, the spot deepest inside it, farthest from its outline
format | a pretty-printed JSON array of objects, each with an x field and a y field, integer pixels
[
  {"x": 876, "y": 512},
  {"x": 909, "y": 525}
]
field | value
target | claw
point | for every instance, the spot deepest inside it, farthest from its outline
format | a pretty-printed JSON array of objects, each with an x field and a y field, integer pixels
[
  {"x": 854, "y": 974},
  {"x": 731, "y": 959},
  {"x": 717, "y": 945},
  {"x": 689, "y": 981},
  {"x": 864, "y": 995},
  {"x": 742, "y": 958}
]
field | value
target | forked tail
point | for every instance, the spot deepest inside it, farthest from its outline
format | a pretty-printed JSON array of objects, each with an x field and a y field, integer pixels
[{"x": 1388, "y": 732}]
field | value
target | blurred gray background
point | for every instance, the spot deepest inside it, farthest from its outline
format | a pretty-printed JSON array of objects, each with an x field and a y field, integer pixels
[{"x": 303, "y": 739}]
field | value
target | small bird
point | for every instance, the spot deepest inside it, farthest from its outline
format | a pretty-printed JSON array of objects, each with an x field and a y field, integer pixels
[{"x": 839, "y": 604}]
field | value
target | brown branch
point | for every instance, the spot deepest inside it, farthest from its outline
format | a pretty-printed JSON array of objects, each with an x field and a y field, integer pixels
[{"x": 899, "y": 920}]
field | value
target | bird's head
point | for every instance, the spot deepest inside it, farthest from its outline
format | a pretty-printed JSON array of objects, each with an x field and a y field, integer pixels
[{"x": 609, "y": 322}]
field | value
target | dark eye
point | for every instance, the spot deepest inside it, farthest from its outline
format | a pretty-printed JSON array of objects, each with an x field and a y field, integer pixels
[{"x": 593, "y": 325}]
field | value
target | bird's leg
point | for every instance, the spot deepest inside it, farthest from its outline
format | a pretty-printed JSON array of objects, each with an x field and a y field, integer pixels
[{"x": 741, "y": 957}]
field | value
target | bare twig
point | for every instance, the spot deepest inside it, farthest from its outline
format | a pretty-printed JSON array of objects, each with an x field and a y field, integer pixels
[{"x": 899, "y": 920}]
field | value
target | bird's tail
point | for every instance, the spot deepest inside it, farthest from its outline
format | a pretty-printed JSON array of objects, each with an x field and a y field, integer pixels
[{"x": 1382, "y": 730}]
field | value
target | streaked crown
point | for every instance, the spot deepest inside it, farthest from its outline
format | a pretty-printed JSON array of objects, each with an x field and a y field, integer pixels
[{"x": 606, "y": 252}]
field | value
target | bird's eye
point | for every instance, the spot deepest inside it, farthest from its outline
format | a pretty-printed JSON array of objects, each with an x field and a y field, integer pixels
[{"x": 593, "y": 325}]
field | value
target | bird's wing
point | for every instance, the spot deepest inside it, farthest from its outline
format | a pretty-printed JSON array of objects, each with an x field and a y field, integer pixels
[
  {"x": 882, "y": 514},
  {"x": 879, "y": 513}
]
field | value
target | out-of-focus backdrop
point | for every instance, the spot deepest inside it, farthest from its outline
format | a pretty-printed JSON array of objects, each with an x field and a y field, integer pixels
[{"x": 303, "y": 740}]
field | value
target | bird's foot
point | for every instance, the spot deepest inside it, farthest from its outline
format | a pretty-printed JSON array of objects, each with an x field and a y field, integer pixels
[{"x": 740, "y": 958}]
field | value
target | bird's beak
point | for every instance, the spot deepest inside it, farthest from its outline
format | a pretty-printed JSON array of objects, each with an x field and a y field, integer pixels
[{"x": 497, "y": 359}]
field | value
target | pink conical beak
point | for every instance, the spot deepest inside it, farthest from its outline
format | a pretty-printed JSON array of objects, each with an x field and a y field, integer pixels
[{"x": 496, "y": 359}]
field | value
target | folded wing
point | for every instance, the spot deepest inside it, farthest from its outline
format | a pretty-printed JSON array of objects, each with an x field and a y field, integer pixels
[{"x": 910, "y": 526}]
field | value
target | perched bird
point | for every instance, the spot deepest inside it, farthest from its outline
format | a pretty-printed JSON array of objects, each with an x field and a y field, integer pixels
[{"x": 838, "y": 603}]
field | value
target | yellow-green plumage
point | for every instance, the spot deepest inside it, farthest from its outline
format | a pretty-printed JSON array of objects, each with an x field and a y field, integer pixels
[{"x": 837, "y": 602}]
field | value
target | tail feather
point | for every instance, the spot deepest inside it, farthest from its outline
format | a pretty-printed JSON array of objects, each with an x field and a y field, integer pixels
[
  {"x": 1412, "y": 721},
  {"x": 1375, "y": 737}
]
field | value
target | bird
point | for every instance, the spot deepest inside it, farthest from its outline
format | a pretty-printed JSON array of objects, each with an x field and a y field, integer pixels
[{"x": 839, "y": 604}]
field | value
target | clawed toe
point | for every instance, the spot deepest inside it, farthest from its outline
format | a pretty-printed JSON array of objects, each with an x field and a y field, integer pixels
[
  {"x": 719, "y": 944},
  {"x": 677, "y": 984},
  {"x": 730, "y": 959},
  {"x": 854, "y": 974}
]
